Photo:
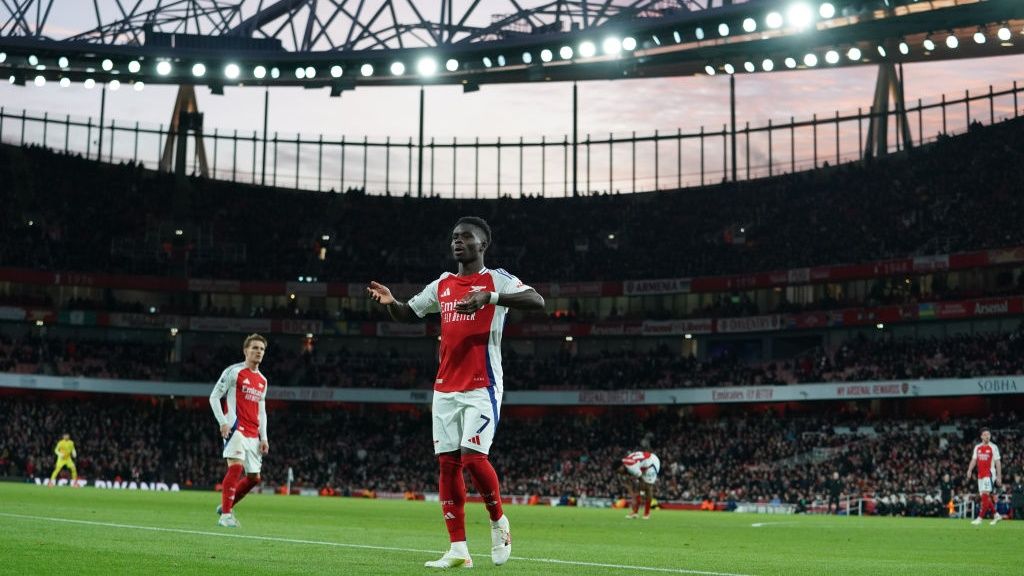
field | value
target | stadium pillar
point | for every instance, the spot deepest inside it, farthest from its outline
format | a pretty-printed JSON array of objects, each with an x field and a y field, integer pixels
[
  {"x": 419, "y": 163},
  {"x": 888, "y": 83},
  {"x": 185, "y": 105},
  {"x": 732, "y": 119},
  {"x": 575, "y": 137},
  {"x": 103, "y": 112},
  {"x": 266, "y": 114}
]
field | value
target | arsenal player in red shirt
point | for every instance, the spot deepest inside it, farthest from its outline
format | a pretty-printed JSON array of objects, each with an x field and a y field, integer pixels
[{"x": 986, "y": 457}]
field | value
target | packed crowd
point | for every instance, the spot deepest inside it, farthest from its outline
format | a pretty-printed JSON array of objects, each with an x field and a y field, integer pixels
[
  {"x": 744, "y": 457},
  {"x": 335, "y": 366},
  {"x": 941, "y": 198}
]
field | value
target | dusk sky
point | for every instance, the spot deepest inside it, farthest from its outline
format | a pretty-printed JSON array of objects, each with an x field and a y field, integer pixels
[{"x": 533, "y": 110}]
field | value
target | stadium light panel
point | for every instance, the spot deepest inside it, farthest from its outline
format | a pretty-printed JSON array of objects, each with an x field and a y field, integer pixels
[
  {"x": 675, "y": 36},
  {"x": 65, "y": 82},
  {"x": 397, "y": 68},
  {"x": 300, "y": 73},
  {"x": 710, "y": 70},
  {"x": 952, "y": 42},
  {"x": 11, "y": 79},
  {"x": 40, "y": 67},
  {"x": 629, "y": 43},
  {"x": 231, "y": 71},
  {"x": 699, "y": 33},
  {"x": 107, "y": 64},
  {"x": 1004, "y": 34},
  {"x": 611, "y": 46},
  {"x": 853, "y": 54},
  {"x": 3, "y": 57},
  {"x": 881, "y": 51},
  {"x": 979, "y": 37},
  {"x": 310, "y": 72},
  {"x": 259, "y": 72},
  {"x": 729, "y": 69},
  {"x": 40, "y": 81},
  {"x": 790, "y": 62},
  {"x": 366, "y": 70},
  {"x": 827, "y": 10},
  {"x": 33, "y": 60},
  {"x": 832, "y": 57},
  {"x": 768, "y": 65},
  {"x": 501, "y": 59},
  {"x": 139, "y": 86},
  {"x": 198, "y": 69},
  {"x": 749, "y": 25},
  {"x": 275, "y": 73},
  {"x": 546, "y": 55},
  {"x": 527, "y": 58},
  {"x": 425, "y": 67},
  {"x": 163, "y": 68},
  {"x": 451, "y": 65},
  {"x": 656, "y": 40},
  {"x": 773, "y": 20},
  {"x": 565, "y": 53},
  {"x": 63, "y": 61},
  {"x": 810, "y": 60},
  {"x": 134, "y": 66},
  {"x": 723, "y": 29},
  {"x": 487, "y": 62},
  {"x": 749, "y": 66},
  {"x": 904, "y": 48},
  {"x": 929, "y": 45},
  {"x": 587, "y": 49},
  {"x": 89, "y": 83},
  {"x": 337, "y": 71},
  {"x": 114, "y": 85},
  {"x": 799, "y": 15}
]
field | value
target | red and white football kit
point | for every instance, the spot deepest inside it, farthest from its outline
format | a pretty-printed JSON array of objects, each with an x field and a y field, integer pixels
[
  {"x": 643, "y": 465},
  {"x": 986, "y": 455},
  {"x": 468, "y": 386},
  {"x": 245, "y": 392}
]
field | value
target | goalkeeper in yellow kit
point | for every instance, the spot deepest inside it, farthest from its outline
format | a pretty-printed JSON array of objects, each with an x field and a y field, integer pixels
[{"x": 65, "y": 451}]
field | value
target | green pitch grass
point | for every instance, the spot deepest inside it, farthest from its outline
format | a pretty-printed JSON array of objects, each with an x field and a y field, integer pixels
[{"x": 89, "y": 531}]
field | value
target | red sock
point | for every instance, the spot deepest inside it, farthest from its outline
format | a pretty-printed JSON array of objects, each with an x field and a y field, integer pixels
[
  {"x": 647, "y": 506},
  {"x": 452, "y": 491},
  {"x": 636, "y": 503},
  {"x": 243, "y": 487},
  {"x": 230, "y": 484},
  {"x": 986, "y": 504},
  {"x": 485, "y": 479}
]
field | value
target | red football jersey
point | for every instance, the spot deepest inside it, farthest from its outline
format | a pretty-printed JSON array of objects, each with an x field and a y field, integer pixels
[
  {"x": 986, "y": 454},
  {"x": 470, "y": 352},
  {"x": 245, "y": 390}
]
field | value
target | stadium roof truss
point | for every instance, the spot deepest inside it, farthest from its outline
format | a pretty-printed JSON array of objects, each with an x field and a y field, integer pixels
[{"x": 345, "y": 43}]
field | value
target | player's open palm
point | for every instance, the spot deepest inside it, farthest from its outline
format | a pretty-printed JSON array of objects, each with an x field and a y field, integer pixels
[{"x": 380, "y": 293}]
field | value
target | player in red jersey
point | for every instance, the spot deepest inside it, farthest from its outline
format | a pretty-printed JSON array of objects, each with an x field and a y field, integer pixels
[
  {"x": 243, "y": 427},
  {"x": 640, "y": 469},
  {"x": 467, "y": 390},
  {"x": 986, "y": 457}
]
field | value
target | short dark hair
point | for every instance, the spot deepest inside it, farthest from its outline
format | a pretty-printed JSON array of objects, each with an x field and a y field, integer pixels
[
  {"x": 983, "y": 430},
  {"x": 479, "y": 223}
]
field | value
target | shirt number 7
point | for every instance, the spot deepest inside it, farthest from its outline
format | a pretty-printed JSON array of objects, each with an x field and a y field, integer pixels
[{"x": 486, "y": 422}]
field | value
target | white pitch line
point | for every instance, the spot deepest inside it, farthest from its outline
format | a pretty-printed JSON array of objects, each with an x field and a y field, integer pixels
[{"x": 359, "y": 546}]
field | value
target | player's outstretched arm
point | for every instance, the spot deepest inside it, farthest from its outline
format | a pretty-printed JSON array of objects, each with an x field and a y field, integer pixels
[
  {"x": 382, "y": 294},
  {"x": 525, "y": 300}
]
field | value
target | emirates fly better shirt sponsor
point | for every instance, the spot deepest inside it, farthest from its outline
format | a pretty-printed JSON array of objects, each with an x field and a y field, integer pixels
[
  {"x": 986, "y": 454},
  {"x": 470, "y": 355},
  {"x": 246, "y": 391}
]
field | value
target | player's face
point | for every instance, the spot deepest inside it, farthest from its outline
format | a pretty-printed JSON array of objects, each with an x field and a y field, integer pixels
[
  {"x": 254, "y": 353},
  {"x": 468, "y": 243},
  {"x": 986, "y": 436}
]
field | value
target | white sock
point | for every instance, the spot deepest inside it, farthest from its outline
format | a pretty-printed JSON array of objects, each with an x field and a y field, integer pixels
[
  {"x": 496, "y": 523},
  {"x": 460, "y": 549}
]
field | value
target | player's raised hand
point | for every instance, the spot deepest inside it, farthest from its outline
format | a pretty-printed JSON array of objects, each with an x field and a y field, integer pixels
[
  {"x": 380, "y": 293},
  {"x": 472, "y": 302}
]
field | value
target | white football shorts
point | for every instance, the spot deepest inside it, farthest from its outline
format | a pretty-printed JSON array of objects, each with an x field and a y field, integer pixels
[
  {"x": 465, "y": 419},
  {"x": 239, "y": 447},
  {"x": 985, "y": 484},
  {"x": 650, "y": 475}
]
